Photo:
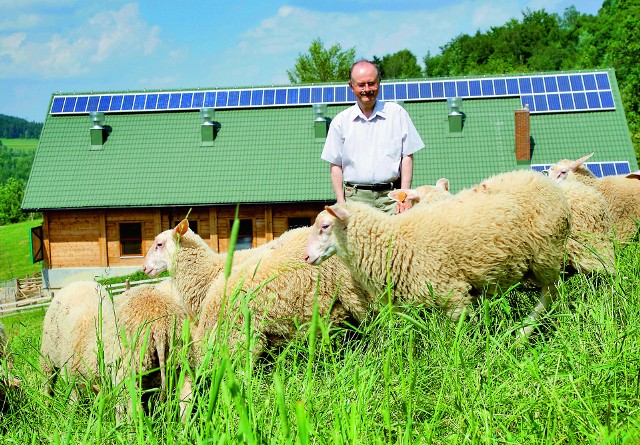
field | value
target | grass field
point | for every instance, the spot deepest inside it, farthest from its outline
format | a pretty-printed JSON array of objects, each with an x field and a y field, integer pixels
[
  {"x": 20, "y": 144},
  {"x": 404, "y": 377},
  {"x": 15, "y": 259}
]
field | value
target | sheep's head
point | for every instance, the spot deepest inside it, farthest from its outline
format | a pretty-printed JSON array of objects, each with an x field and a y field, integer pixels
[
  {"x": 560, "y": 171},
  {"x": 160, "y": 255},
  {"x": 424, "y": 193},
  {"x": 322, "y": 242}
]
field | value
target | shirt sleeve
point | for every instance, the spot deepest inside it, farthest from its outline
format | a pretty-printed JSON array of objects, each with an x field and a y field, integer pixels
[
  {"x": 333, "y": 145},
  {"x": 412, "y": 141}
]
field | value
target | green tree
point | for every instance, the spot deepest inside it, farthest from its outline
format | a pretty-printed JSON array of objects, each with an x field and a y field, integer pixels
[
  {"x": 322, "y": 65},
  {"x": 400, "y": 65},
  {"x": 11, "y": 194}
]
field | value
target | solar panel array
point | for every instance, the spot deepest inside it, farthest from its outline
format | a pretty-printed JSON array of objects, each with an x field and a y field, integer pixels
[
  {"x": 599, "y": 169},
  {"x": 547, "y": 93}
]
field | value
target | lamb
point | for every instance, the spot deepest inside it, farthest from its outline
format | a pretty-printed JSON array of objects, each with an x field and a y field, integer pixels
[
  {"x": 147, "y": 316},
  {"x": 447, "y": 253},
  {"x": 69, "y": 337},
  {"x": 284, "y": 290},
  {"x": 622, "y": 193},
  {"x": 589, "y": 247},
  {"x": 82, "y": 315},
  {"x": 424, "y": 194},
  {"x": 191, "y": 262}
]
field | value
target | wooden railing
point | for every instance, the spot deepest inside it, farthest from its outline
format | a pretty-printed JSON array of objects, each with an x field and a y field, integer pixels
[{"x": 19, "y": 304}]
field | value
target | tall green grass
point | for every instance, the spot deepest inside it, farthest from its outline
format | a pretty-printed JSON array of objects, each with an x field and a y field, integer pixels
[
  {"x": 15, "y": 255},
  {"x": 403, "y": 377}
]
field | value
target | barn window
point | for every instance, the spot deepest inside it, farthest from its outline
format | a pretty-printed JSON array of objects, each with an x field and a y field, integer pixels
[
  {"x": 245, "y": 234},
  {"x": 130, "y": 238},
  {"x": 193, "y": 225},
  {"x": 294, "y": 223}
]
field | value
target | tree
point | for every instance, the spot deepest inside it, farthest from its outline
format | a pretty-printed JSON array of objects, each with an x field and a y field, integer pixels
[
  {"x": 322, "y": 65},
  {"x": 11, "y": 194},
  {"x": 400, "y": 65}
]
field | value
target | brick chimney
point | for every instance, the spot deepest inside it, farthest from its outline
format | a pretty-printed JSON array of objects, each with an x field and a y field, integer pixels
[{"x": 523, "y": 135}]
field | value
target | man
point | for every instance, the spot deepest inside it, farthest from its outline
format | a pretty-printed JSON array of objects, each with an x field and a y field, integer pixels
[{"x": 370, "y": 145}]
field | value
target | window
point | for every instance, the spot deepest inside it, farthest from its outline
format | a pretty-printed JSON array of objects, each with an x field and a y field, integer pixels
[
  {"x": 245, "y": 234},
  {"x": 294, "y": 223},
  {"x": 130, "y": 239},
  {"x": 193, "y": 225}
]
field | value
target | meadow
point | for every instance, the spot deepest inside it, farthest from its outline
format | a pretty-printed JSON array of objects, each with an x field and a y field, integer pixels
[
  {"x": 15, "y": 256},
  {"x": 408, "y": 376}
]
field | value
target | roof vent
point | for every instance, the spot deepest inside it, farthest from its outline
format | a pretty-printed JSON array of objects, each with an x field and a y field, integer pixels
[
  {"x": 209, "y": 128},
  {"x": 97, "y": 133},
  {"x": 456, "y": 116},
  {"x": 321, "y": 123}
]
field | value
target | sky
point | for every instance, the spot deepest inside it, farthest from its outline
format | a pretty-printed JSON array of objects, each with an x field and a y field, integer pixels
[{"x": 53, "y": 46}]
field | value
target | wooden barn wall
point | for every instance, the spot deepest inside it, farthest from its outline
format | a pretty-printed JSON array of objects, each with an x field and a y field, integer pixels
[{"x": 89, "y": 238}]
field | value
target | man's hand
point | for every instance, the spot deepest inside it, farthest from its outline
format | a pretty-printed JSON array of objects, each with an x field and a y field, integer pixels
[{"x": 404, "y": 206}]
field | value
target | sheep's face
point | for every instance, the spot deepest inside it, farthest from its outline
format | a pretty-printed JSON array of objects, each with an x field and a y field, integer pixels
[
  {"x": 560, "y": 171},
  {"x": 160, "y": 255},
  {"x": 322, "y": 242}
]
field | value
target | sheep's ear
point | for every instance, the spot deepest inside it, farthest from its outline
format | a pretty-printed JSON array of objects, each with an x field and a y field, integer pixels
[
  {"x": 337, "y": 212},
  {"x": 634, "y": 175},
  {"x": 443, "y": 183},
  {"x": 575, "y": 164},
  {"x": 398, "y": 195},
  {"x": 182, "y": 227}
]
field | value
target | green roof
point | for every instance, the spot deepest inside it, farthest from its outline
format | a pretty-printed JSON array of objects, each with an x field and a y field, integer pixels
[{"x": 264, "y": 155}]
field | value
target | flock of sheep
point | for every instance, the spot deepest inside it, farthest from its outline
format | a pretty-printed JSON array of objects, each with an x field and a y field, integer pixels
[{"x": 448, "y": 250}]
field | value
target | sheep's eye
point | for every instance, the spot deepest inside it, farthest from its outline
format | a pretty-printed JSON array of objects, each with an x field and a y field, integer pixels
[
  {"x": 325, "y": 226},
  {"x": 159, "y": 245}
]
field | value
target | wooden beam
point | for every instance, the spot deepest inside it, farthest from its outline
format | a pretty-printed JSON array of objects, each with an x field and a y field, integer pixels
[{"x": 214, "y": 236}]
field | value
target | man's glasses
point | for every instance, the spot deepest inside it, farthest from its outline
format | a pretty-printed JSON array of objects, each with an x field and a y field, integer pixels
[{"x": 365, "y": 84}]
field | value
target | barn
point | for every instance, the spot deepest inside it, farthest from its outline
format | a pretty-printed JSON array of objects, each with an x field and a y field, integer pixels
[{"x": 113, "y": 169}]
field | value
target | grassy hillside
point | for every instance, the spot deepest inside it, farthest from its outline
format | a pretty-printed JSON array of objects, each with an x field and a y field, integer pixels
[
  {"x": 20, "y": 144},
  {"x": 15, "y": 260},
  {"x": 407, "y": 376}
]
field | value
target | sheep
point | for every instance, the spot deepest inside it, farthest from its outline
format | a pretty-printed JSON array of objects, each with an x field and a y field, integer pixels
[
  {"x": 83, "y": 316},
  {"x": 191, "y": 262},
  {"x": 589, "y": 246},
  {"x": 447, "y": 253},
  {"x": 69, "y": 337},
  {"x": 284, "y": 290},
  {"x": 622, "y": 193},
  {"x": 424, "y": 194},
  {"x": 147, "y": 316}
]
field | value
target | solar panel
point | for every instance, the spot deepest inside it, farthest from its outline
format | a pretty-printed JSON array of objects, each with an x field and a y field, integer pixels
[
  {"x": 543, "y": 93},
  {"x": 600, "y": 169}
]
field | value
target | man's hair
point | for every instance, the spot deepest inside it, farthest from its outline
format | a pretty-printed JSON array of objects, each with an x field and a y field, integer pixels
[{"x": 357, "y": 62}]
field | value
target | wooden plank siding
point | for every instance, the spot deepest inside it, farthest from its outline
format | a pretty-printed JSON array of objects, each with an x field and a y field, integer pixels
[{"x": 91, "y": 238}]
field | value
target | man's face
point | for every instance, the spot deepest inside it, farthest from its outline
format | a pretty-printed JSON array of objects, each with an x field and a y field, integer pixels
[{"x": 364, "y": 84}]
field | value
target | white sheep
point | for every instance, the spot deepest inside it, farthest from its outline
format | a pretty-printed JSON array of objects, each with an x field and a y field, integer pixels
[
  {"x": 82, "y": 319},
  {"x": 284, "y": 292},
  {"x": 424, "y": 194},
  {"x": 72, "y": 323},
  {"x": 447, "y": 253},
  {"x": 192, "y": 263},
  {"x": 622, "y": 193},
  {"x": 149, "y": 321},
  {"x": 590, "y": 244}
]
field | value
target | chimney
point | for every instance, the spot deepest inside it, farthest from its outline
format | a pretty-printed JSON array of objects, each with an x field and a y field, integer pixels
[
  {"x": 455, "y": 115},
  {"x": 321, "y": 123},
  {"x": 208, "y": 128},
  {"x": 523, "y": 134},
  {"x": 96, "y": 132}
]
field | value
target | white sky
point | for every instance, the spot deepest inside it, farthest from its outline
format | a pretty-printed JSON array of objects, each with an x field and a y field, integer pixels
[{"x": 49, "y": 46}]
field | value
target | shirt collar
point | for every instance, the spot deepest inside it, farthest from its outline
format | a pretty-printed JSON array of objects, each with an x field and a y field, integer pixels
[{"x": 378, "y": 110}]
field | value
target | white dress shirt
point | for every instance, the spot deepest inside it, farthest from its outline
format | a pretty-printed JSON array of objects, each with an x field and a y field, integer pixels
[{"x": 370, "y": 150}]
